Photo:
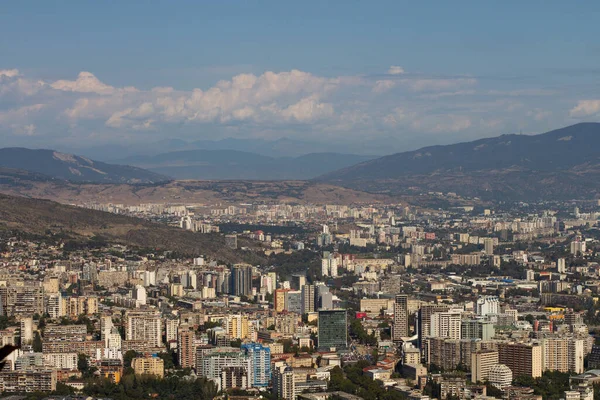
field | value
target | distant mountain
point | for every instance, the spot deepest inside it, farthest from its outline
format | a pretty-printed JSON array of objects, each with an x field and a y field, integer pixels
[
  {"x": 564, "y": 163},
  {"x": 233, "y": 164},
  {"x": 63, "y": 166}
]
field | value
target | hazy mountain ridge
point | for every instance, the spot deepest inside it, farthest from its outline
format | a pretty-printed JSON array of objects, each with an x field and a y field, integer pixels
[
  {"x": 63, "y": 166},
  {"x": 563, "y": 163},
  {"x": 234, "y": 164}
]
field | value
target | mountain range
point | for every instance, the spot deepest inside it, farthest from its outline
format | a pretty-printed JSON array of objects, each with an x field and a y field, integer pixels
[
  {"x": 55, "y": 165},
  {"x": 562, "y": 164},
  {"x": 233, "y": 164}
]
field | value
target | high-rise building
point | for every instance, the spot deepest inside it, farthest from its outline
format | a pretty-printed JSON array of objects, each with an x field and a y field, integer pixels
[
  {"x": 400, "y": 327},
  {"x": 186, "y": 351},
  {"x": 488, "y": 245},
  {"x": 477, "y": 329},
  {"x": 171, "y": 327},
  {"x": 284, "y": 383},
  {"x": 211, "y": 364},
  {"x": 26, "y": 331},
  {"x": 521, "y": 358},
  {"x": 329, "y": 265},
  {"x": 333, "y": 329},
  {"x": 308, "y": 299},
  {"x": 293, "y": 301},
  {"x": 561, "y": 266},
  {"x": 144, "y": 325},
  {"x": 279, "y": 299},
  {"x": 260, "y": 357},
  {"x": 241, "y": 280},
  {"x": 446, "y": 324},
  {"x": 481, "y": 364},
  {"x": 424, "y": 319},
  {"x": 234, "y": 378}
]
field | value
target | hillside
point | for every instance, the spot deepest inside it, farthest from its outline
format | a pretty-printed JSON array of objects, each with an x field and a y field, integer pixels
[
  {"x": 38, "y": 216},
  {"x": 62, "y": 166},
  {"x": 561, "y": 164},
  {"x": 233, "y": 164},
  {"x": 21, "y": 183}
]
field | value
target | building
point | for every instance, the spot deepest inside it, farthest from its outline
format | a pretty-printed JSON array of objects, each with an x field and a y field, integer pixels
[
  {"x": 424, "y": 319},
  {"x": 521, "y": 358},
  {"x": 308, "y": 299},
  {"x": 28, "y": 381},
  {"x": 284, "y": 384},
  {"x": 488, "y": 245},
  {"x": 279, "y": 299},
  {"x": 333, "y": 329},
  {"x": 487, "y": 305},
  {"x": 400, "y": 326},
  {"x": 241, "y": 280},
  {"x": 446, "y": 324},
  {"x": 500, "y": 376},
  {"x": 185, "y": 348},
  {"x": 210, "y": 363},
  {"x": 477, "y": 329},
  {"x": 148, "y": 366},
  {"x": 260, "y": 357},
  {"x": 481, "y": 364},
  {"x": 144, "y": 325},
  {"x": 61, "y": 360},
  {"x": 26, "y": 331},
  {"x": 234, "y": 378}
]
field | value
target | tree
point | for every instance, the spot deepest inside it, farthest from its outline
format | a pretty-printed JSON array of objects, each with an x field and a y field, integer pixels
[
  {"x": 37, "y": 342},
  {"x": 127, "y": 357}
]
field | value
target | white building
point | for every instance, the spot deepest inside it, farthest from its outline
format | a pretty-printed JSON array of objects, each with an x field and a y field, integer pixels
[
  {"x": 486, "y": 305},
  {"x": 500, "y": 376}
]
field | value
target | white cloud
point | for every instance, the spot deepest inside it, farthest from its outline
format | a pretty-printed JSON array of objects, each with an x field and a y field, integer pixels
[
  {"x": 10, "y": 73},
  {"x": 432, "y": 84},
  {"x": 395, "y": 70},
  {"x": 382, "y": 86},
  {"x": 585, "y": 108},
  {"x": 270, "y": 105},
  {"x": 86, "y": 82}
]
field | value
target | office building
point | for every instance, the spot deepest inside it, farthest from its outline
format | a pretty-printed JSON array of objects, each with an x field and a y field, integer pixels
[
  {"x": 241, "y": 280},
  {"x": 332, "y": 329}
]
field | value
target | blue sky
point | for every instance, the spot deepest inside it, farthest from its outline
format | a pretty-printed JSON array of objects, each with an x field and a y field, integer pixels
[{"x": 403, "y": 74}]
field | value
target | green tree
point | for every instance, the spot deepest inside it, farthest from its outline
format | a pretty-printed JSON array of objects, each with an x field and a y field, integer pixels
[{"x": 37, "y": 342}]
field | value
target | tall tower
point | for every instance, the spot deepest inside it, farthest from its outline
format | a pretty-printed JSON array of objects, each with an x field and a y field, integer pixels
[{"x": 400, "y": 327}]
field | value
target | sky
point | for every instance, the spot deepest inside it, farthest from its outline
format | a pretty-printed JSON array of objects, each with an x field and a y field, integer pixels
[{"x": 369, "y": 77}]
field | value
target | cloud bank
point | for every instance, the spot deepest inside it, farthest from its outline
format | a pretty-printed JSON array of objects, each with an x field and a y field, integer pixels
[{"x": 398, "y": 106}]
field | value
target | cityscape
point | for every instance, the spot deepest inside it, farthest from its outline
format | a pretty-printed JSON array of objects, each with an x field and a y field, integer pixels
[{"x": 256, "y": 201}]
